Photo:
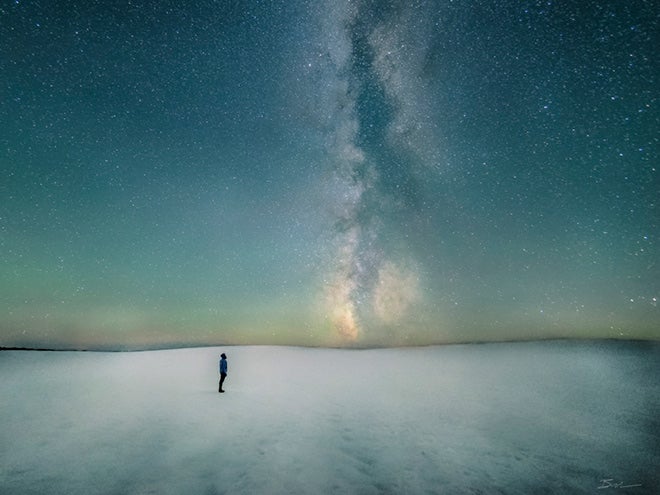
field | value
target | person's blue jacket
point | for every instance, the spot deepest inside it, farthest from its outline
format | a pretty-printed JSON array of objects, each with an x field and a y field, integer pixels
[{"x": 223, "y": 366}]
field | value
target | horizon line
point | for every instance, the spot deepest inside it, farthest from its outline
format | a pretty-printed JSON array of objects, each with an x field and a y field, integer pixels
[{"x": 147, "y": 348}]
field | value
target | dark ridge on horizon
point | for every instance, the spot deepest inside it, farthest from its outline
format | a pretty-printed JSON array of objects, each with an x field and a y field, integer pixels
[
  {"x": 101, "y": 349},
  {"x": 355, "y": 347}
]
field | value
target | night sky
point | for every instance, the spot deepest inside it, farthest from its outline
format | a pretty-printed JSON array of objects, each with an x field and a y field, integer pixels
[{"x": 327, "y": 172}]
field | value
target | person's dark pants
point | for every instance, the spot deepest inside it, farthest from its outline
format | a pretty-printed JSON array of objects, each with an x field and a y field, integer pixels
[{"x": 222, "y": 380}]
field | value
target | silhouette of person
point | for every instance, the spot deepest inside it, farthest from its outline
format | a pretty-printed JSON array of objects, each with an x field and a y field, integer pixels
[{"x": 223, "y": 371}]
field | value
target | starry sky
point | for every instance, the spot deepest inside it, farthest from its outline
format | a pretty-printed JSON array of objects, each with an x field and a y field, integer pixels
[{"x": 327, "y": 172}]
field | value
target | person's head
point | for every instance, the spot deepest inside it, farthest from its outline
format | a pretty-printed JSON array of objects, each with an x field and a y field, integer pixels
[{"x": 223, "y": 356}]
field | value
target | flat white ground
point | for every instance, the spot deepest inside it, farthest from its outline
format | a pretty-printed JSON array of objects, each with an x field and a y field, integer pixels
[{"x": 532, "y": 418}]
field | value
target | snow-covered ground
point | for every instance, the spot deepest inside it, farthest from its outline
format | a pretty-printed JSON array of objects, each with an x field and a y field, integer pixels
[{"x": 527, "y": 418}]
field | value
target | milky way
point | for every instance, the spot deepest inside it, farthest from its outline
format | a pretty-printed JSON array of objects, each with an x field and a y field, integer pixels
[{"x": 327, "y": 173}]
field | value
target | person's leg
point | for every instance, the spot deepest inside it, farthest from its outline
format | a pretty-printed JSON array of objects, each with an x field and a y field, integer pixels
[{"x": 222, "y": 379}]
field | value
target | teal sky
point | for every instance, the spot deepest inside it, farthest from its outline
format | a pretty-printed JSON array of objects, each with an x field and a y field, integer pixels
[{"x": 327, "y": 173}]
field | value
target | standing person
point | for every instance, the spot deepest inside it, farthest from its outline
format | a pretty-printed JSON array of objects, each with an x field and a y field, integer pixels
[{"x": 223, "y": 371}]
